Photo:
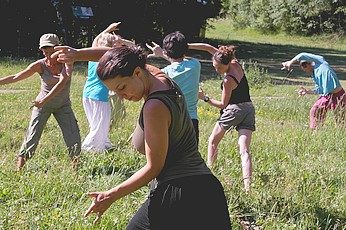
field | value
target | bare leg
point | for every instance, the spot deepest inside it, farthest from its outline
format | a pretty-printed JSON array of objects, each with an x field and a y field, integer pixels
[
  {"x": 20, "y": 162},
  {"x": 246, "y": 162},
  {"x": 75, "y": 162},
  {"x": 214, "y": 141}
]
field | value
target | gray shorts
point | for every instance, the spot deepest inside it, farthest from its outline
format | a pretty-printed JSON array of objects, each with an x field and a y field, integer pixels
[{"x": 239, "y": 116}]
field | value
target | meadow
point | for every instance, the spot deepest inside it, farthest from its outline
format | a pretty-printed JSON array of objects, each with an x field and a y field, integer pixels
[{"x": 299, "y": 177}]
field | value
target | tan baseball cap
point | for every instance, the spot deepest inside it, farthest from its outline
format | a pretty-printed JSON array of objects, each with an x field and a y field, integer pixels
[{"x": 49, "y": 40}]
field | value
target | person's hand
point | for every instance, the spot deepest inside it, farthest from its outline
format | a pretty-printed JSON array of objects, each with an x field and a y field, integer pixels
[
  {"x": 201, "y": 94},
  {"x": 112, "y": 27},
  {"x": 302, "y": 91},
  {"x": 101, "y": 203},
  {"x": 37, "y": 103},
  {"x": 117, "y": 42},
  {"x": 287, "y": 65},
  {"x": 156, "y": 49},
  {"x": 64, "y": 54}
]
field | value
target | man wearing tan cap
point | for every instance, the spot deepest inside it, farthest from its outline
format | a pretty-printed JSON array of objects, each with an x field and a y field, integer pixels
[{"x": 53, "y": 98}]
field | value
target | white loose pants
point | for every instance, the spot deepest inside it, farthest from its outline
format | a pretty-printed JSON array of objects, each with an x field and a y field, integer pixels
[{"x": 98, "y": 114}]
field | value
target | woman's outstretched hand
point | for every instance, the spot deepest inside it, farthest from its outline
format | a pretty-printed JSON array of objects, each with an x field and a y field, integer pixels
[
  {"x": 65, "y": 54},
  {"x": 101, "y": 202},
  {"x": 156, "y": 49}
]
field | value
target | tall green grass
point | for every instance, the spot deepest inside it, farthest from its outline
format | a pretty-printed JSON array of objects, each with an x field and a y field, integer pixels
[{"x": 298, "y": 181}]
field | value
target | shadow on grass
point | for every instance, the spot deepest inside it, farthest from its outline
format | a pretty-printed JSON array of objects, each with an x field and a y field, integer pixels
[
  {"x": 284, "y": 207},
  {"x": 329, "y": 220},
  {"x": 288, "y": 81},
  {"x": 270, "y": 57}
]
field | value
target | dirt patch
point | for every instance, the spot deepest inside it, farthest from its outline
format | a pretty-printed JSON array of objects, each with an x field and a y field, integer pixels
[{"x": 13, "y": 90}]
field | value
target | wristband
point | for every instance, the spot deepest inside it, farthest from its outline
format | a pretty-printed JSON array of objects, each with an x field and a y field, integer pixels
[{"x": 206, "y": 98}]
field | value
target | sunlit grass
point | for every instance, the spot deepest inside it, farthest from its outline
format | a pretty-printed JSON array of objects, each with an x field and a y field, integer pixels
[
  {"x": 223, "y": 29},
  {"x": 299, "y": 176}
]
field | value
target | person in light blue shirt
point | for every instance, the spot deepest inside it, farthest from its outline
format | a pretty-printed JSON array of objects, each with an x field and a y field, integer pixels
[
  {"x": 185, "y": 71},
  {"x": 96, "y": 96},
  {"x": 327, "y": 85}
]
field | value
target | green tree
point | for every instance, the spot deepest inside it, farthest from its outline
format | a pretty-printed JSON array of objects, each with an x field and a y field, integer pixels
[{"x": 305, "y": 17}]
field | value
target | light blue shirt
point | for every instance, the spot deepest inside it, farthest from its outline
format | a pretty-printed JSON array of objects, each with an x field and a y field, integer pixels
[
  {"x": 187, "y": 75},
  {"x": 323, "y": 75},
  {"x": 94, "y": 88}
]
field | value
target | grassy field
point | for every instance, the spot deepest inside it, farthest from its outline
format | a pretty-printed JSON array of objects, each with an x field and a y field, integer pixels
[{"x": 299, "y": 177}]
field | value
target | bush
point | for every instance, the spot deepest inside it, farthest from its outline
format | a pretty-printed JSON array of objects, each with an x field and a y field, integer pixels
[{"x": 257, "y": 76}]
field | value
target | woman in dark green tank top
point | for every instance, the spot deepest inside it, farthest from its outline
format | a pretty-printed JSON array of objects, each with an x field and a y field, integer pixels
[{"x": 186, "y": 194}]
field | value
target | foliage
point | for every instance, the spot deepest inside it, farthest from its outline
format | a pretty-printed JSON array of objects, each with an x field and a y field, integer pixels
[
  {"x": 299, "y": 176},
  {"x": 304, "y": 17},
  {"x": 257, "y": 76},
  {"x": 141, "y": 20}
]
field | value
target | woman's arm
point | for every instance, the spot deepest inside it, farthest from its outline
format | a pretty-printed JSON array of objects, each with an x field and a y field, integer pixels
[
  {"x": 137, "y": 139},
  {"x": 64, "y": 77},
  {"x": 27, "y": 72},
  {"x": 112, "y": 27},
  {"x": 157, "y": 51},
  {"x": 126, "y": 42},
  {"x": 157, "y": 120},
  {"x": 309, "y": 57},
  {"x": 203, "y": 47},
  {"x": 66, "y": 54},
  {"x": 303, "y": 56},
  {"x": 228, "y": 86}
]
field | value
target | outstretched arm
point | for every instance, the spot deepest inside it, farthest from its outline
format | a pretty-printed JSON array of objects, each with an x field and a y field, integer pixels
[
  {"x": 203, "y": 47},
  {"x": 157, "y": 120},
  {"x": 111, "y": 28},
  {"x": 302, "y": 56},
  {"x": 66, "y": 54},
  {"x": 27, "y": 72}
]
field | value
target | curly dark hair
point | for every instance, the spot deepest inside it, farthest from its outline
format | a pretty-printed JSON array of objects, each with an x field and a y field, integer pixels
[{"x": 225, "y": 54}]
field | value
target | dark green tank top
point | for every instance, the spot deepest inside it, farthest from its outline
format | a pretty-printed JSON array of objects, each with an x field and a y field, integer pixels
[{"x": 183, "y": 158}]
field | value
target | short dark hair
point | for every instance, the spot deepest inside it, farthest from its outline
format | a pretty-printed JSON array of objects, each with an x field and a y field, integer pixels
[
  {"x": 304, "y": 63},
  {"x": 121, "y": 61},
  {"x": 175, "y": 45}
]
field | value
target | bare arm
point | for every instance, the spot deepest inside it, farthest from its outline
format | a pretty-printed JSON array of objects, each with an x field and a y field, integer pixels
[
  {"x": 137, "y": 139},
  {"x": 68, "y": 54},
  {"x": 27, "y": 72},
  {"x": 126, "y": 42},
  {"x": 203, "y": 47},
  {"x": 64, "y": 77},
  {"x": 112, "y": 27},
  {"x": 157, "y": 120},
  {"x": 228, "y": 86}
]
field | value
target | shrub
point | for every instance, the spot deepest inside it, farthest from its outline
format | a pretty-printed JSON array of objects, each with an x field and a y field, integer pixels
[{"x": 256, "y": 75}]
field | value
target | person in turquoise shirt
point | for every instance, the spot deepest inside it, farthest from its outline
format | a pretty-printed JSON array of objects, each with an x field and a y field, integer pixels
[
  {"x": 185, "y": 71},
  {"x": 96, "y": 96},
  {"x": 327, "y": 85}
]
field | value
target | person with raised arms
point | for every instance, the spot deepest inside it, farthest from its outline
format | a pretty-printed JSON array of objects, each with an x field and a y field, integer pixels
[{"x": 54, "y": 98}]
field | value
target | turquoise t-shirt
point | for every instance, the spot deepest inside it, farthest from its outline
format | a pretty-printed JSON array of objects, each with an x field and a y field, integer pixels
[
  {"x": 94, "y": 88},
  {"x": 187, "y": 76},
  {"x": 323, "y": 75}
]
